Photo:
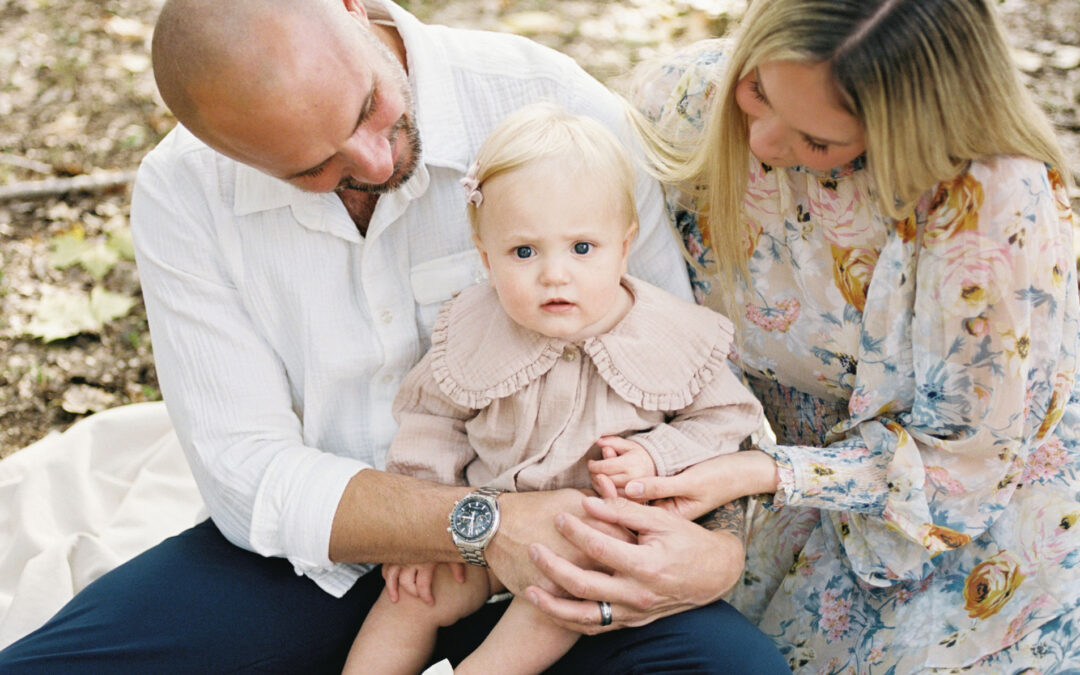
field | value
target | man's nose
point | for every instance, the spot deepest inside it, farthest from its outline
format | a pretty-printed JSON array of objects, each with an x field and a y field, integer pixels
[{"x": 369, "y": 157}]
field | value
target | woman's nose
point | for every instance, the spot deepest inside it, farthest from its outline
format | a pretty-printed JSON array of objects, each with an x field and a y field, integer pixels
[{"x": 769, "y": 139}]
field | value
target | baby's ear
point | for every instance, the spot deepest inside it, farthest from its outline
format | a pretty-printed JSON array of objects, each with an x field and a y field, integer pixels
[
  {"x": 628, "y": 239},
  {"x": 483, "y": 256}
]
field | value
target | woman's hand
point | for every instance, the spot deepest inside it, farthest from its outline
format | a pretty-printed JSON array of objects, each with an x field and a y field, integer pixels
[
  {"x": 709, "y": 484},
  {"x": 673, "y": 566}
]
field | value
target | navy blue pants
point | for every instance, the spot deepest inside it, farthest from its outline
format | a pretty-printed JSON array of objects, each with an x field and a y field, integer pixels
[{"x": 197, "y": 604}]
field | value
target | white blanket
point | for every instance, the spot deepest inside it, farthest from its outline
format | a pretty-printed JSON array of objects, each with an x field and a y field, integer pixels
[{"x": 77, "y": 504}]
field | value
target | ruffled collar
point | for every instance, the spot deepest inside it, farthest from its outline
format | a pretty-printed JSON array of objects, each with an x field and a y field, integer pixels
[{"x": 658, "y": 357}]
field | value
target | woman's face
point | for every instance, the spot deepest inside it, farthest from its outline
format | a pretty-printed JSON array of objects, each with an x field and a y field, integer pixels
[{"x": 795, "y": 116}]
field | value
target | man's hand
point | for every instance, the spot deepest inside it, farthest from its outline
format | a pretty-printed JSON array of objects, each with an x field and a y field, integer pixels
[
  {"x": 624, "y": 460},
  {"x": 673, "y": 565},
  {"x": 529, "y": 518}
]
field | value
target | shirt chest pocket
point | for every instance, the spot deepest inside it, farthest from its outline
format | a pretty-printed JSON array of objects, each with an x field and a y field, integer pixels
[{"x": 436, "y": 281}]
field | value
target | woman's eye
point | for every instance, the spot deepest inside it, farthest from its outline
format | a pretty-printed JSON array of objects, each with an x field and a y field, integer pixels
[
  {"x": 582, "y": 247},
  {"x": 523, "y": 252},
  {"x": 755, "y": 89},
  {"x": 815, "y": 146}
]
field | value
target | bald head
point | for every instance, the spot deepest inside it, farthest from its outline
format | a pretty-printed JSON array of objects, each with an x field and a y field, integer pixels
[{"x": 206, "y": 49}]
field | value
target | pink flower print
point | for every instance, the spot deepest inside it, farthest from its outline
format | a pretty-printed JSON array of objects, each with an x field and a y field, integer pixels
[
  {"x": 1016, "y": 626},
  {"x": 775, "y": 319},
  {"x": 944, "y": 481},
  {"x": 972, "y": 263},
  {"x": 835, "y": 614},
  {"x": 859, "y": 402},
  {"x": 1046, "y": 462}
]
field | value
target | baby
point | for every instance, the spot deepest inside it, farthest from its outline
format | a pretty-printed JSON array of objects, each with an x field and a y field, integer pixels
[{"x": 561, "y": 368}]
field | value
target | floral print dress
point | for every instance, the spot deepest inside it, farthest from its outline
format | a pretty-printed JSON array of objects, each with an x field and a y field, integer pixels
[{"x": 920, "y": 379}]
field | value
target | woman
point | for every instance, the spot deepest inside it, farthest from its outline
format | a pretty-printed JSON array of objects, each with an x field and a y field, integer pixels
[{"x": 899, "y": 259}]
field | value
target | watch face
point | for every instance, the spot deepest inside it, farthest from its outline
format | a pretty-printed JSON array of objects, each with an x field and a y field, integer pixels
[{"x": 472, "y": 518}]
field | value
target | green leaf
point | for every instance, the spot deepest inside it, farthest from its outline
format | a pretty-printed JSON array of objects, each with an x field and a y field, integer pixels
[
  {"x": 67, "y": 248},
  {"x": 63, "y": 313},
  {"x": 98, "y": 259},
  {"x": 120, "y": 241},
  {"x": 60, "y": 314},
  {"x": 107, "y": 305}
]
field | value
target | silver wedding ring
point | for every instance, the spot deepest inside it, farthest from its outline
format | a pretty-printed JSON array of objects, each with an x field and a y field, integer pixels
[{"x": 605, "y": 612}]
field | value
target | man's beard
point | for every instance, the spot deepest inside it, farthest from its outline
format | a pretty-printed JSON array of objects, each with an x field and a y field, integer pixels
[{"x": 404, "y": 169}]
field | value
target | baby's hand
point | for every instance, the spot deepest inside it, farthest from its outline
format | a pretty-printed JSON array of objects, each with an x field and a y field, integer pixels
[
  {"x": 624, "y": 460},
  {"x": 415, "y": 579}
]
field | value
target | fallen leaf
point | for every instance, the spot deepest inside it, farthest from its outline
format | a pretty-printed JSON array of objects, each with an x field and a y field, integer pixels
[
  {"x": 97, "y": 258},
  {"x": 82, "y": 398},
  {"x": 107, "y": 305},
  {"x": 120, "y": 241},
  {"x": 60, "y": 314}
]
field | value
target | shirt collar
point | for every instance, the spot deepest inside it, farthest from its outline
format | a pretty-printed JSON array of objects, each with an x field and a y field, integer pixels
[{"x": 442, "y": 131}]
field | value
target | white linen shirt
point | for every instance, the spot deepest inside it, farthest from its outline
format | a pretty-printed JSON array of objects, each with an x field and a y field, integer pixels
[{"x": 281, "y": 334}]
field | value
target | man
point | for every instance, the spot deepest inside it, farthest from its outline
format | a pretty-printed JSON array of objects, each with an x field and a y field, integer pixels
[{"x": 295, "y": 238}]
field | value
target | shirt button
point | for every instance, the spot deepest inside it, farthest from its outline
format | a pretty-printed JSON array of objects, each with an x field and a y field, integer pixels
[
  {"x": 387, "y": 379},
  {"x": 569, "y": 354},
  {"x": 387, "y": 316}
]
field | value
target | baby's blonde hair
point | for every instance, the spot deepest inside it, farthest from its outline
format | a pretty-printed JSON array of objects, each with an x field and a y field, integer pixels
[{"x": 544, "y": 131}]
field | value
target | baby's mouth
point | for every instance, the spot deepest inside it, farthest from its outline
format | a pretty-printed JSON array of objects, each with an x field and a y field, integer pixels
[{"x": 557, "y": 305}]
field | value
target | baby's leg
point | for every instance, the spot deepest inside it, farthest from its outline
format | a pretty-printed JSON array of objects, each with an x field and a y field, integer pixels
[
  {"x": 523, "y": 641},
  {"x": 398, "y": 637}
]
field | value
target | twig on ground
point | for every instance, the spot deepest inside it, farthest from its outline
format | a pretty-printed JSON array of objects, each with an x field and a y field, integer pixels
[{"x": 93, "y": 182}]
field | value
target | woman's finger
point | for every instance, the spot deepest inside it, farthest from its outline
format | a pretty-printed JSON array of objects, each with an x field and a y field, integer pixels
[{"x": 658, "y": 487}]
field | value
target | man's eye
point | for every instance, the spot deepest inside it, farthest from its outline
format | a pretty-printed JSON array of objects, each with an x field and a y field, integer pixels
[
  {"x": 523, "y": 252},
  {"x": 582, "y": 247}
]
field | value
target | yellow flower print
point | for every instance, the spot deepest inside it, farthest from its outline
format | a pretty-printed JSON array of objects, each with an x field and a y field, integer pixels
[
  {"x": 938, "y": 539},
  {"x": 955, "y": 208},
  {"x": 1063, "y": 383},
  {"x": 991, "y": 584},
  {"x": 852, "y": 269},
  {"x": 907, "y": 228},
  {"x": 750, "y": 235},
  {"x": 902, "y": 437},
  {"x": 1016, "y": 348}
]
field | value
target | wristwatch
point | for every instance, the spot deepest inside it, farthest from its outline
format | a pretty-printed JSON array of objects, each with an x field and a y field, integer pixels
[{"x": 473, "y": 522}]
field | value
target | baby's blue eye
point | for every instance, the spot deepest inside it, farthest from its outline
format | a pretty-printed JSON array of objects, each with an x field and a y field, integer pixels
[
  {"x": 582, "y": 247},
  {"x": 523, "y": 252}
]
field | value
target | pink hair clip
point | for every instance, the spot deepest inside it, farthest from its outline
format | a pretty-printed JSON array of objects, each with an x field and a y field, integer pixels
[{"x": 472, "y": 186}]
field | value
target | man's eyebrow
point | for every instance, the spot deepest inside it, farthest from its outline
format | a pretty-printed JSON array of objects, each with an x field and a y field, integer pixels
[{"x": 365, "y": 112}]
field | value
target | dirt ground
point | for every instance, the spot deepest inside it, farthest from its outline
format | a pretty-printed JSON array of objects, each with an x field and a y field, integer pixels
[{"x": 77, "y": 97}]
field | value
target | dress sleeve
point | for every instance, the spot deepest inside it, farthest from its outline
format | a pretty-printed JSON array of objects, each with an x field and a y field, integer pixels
[
  {"x": 718, "y": 420},
  {"x": 431, "y": 442},
  {"x": 941, "y": 429}
]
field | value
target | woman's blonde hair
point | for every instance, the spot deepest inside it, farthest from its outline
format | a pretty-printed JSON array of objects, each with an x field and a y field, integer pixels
[
  {"x": 931, "y": 81},
  {"x": 544, "y": 131}
]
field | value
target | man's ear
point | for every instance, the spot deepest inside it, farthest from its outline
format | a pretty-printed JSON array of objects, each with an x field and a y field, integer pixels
[{"x": 358, "y": 11}]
